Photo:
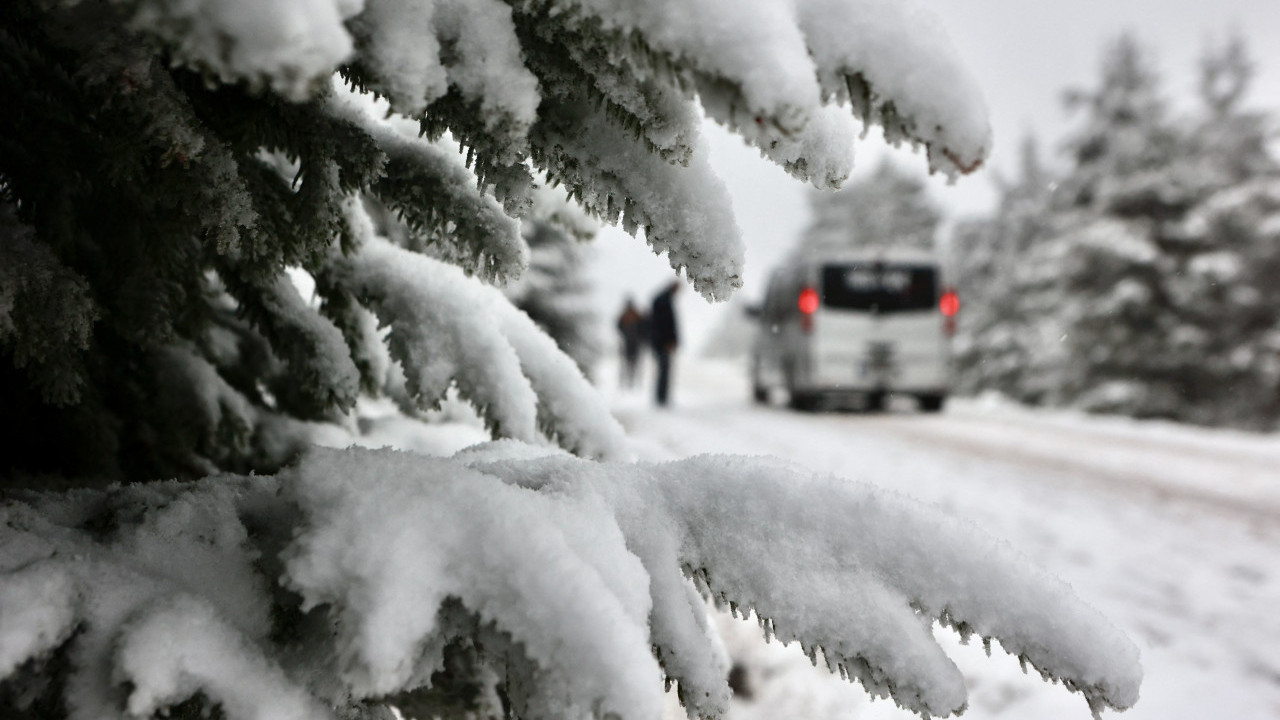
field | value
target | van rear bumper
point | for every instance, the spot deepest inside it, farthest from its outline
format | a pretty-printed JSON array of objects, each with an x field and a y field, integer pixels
[
  {"x": 865, "y": 389},
  {"x": 915, "y": 378}
]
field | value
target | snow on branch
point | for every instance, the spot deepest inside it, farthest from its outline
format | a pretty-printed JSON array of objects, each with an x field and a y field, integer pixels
[
  {"x": 449, "y": 329},
  {"x": 893, "y": 61},
  {"x": 580, "y": 58},
  {"x": 821, "y": 154},
  {"x": 684, "y": 211},
  {"x": 440, "y": 336},
  {"x": 876, "y": 568},
  {"x": 290, "y": 46},
  {"x": 580, "y": 577},
  {"x": 37, "y": 602},
  {"x": 438, "y": 200},
  {"x": 213, "y": 659},
  {"x": 486, "y": 63},
  {"x": 602, "y": 85},
  {"x": 543, "y": 567},
  {"x": 764, "y": 68},
  {"x": 149, "y": 591},
  {"x": 400, "y": 54},
  {"x": 314, "y": 348}
]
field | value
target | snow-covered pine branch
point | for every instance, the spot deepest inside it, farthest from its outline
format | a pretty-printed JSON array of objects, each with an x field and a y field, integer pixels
[
  {"x": 436, "y": 198},
  {"x": 643, "y": 62},
  {"x": 683, "y": 210},
  {"x": 348, "y": 581},
  {"x": 557, "y": 290},
  {"x": 448, "y": 329},
  {"x": 171, "y": 167}
]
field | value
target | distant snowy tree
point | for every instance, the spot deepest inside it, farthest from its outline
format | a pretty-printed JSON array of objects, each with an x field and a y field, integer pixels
[
  {"x": 1106, "y": 322},
  {"x": 173, "y": 171},
  {"x": 1226, "y": 289},
  {"x": 1227, "y": 252},
  {"x": 1135, "y": 285},
  {"x": 555, "y": 290},
  {"x": 1087, "y": 318},
  {"x": 996, "y": 341},
  {"x": 1231, "y": 142},
  {"x": 888, "y": 208},
  {"x": 1126, "y": 140}
]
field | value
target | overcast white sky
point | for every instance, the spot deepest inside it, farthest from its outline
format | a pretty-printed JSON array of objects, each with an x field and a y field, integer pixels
[{"x": 1024, "y": 53}]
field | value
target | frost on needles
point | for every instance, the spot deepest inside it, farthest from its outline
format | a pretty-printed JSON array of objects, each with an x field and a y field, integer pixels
[
  {"x": 515, "y": 577},
  {"x": 169, "y": 168}
]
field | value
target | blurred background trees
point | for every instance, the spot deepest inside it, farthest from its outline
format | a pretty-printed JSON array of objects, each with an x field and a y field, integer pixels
[
  {"x": 890, "y": 207},
  {"x": 1140, "y": 279},
  {"x": 556, "y": 288}
]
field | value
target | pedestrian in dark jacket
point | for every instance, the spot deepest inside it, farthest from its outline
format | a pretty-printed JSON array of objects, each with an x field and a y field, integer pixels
[
  {"x": 632, "y": 327},
  {"x": 665, "y": 337}
]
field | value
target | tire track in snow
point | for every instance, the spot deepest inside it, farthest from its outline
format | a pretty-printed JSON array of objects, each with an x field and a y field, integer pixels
[
  {"x": 1233, "y": 473},
  {"x": 1109, "y": 461},
  {"x": 1089, "y": 458},
  {"x": 1258, "y": 452}
]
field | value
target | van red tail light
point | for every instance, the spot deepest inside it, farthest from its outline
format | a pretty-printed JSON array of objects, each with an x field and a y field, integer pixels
[
  {"x": 949, "y": 304},
  {"x": 809, "y": 300},
  {"x": 808, "y": 304}
]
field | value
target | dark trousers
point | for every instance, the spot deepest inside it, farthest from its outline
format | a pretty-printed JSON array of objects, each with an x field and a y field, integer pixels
[
  {"x": 664, "y": 376},
  {"x": 630, "y": 364}
]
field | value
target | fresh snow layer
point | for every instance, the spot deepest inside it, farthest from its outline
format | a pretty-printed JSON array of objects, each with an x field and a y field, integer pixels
[
  {"x": 211, "y": 657},
  {"x": 447, "y": 329},
  {"x": 570, "y": 557},
  {"x": 290, "y": 45},
  {"x": 36, "y": 603},
  {"x": 487, "y": 65},
  {"x": 812, "y": 47},
  {"x": 407, "y": 56},
  {"x": 450, "y": 532}
]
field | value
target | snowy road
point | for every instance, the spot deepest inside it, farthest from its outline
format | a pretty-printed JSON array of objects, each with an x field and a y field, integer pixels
[{"x": 1173, "y": 532}]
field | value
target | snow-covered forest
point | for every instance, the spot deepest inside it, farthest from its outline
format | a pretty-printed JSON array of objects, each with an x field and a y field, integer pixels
[
  {"x": 1141, "y": 278},
  {"x": 235, "y": 232}
]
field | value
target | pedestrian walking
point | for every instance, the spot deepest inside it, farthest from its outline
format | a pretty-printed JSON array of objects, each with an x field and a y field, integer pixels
[
  {"x": 631, "y": 330},
  {"x": 665, "y": 338}
]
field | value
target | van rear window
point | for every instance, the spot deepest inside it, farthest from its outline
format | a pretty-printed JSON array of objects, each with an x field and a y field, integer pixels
[{"x": 881, "y": 287}]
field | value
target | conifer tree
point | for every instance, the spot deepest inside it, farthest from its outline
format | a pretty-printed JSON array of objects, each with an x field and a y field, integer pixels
[
  {"x": 888, "y": 208},
  {"x": 1094, "y": 321},
  {"x": 555, "y": 290},
  {"x": 996, "y": 341},
  {"x": 1112, "y": 320},
  {"x": 1227, "y": 251},
  {"x": 1131, "y": 286},
  {"x": 169, "y": 168}
]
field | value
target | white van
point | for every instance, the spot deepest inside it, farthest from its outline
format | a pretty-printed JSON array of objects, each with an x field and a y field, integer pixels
[{"x": 855, "y": 326}]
